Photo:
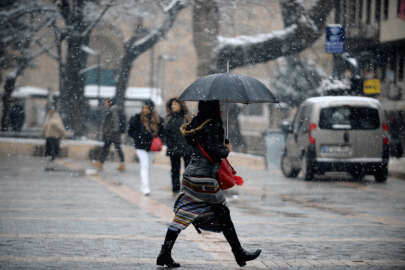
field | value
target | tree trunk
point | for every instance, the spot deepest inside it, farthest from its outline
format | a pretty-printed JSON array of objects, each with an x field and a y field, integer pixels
[
  {"x": 205, "y": 32},
  {"x": 123, "y": 79},
  {"x": 73, "y": 103},
  {"x": 9, "y": 86}
]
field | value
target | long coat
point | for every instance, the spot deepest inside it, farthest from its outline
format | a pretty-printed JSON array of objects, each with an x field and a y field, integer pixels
[
  {"x": 175, "y": 141},
  {"x": 201, "y": 194},
  {"x": 111, "y": 125},
  {"x": 53, "y": 127}
]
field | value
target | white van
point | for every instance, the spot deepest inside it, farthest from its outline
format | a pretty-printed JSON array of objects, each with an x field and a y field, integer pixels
[{"x": 337, "y": 133}]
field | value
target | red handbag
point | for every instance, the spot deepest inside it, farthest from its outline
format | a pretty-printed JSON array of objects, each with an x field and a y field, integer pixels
[
  {"x": 226, "y": 173},
  {"x": 156, "y": 145}
]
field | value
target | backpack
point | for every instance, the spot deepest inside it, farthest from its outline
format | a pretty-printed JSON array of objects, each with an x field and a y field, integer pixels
[{"x": 123, "y": 121}]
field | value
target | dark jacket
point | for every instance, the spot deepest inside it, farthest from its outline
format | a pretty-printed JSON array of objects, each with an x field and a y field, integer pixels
[
  {"x": 210, "y": 135},
  {"x": 142, "y": 137},
  {"x": 111, "y": 125},
  {"x": 174, "y": 140}
]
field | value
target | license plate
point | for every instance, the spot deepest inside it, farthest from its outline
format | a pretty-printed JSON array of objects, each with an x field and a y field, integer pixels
[{"x": 337, "y": 150}]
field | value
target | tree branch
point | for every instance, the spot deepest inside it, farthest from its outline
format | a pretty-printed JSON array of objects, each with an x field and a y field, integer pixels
[
  {"x": 91, "y": 26},
  {"x": 143, "y": 44},
  {"x": 247, "y": 50}
]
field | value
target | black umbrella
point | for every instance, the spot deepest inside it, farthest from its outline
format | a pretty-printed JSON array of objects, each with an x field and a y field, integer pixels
[{"x": 228, "y": 87}]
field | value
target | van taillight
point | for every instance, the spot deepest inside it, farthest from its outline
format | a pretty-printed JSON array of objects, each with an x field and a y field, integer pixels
[
  {"x": 311, "y": 139},
  {"x": 385, "y": 138}
]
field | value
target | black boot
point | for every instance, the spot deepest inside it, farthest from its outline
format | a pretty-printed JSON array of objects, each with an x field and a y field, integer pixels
[
  {"x": 165, "y": 256},
  {"x": 241, "y": 255}
]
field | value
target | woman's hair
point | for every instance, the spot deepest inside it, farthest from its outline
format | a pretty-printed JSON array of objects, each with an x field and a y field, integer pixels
[
  {"x": 208, "y": 110},
  {"x": 183, "y": 107},
  {"x": 150, "y": 121}
]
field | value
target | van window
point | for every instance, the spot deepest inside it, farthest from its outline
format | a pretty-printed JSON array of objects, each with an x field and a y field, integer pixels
[
  {"x": 300, "y": 119},
  {"x": 346, "y": 117}
]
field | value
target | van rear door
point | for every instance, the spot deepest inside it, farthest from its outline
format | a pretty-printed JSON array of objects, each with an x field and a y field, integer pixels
[{"x": 350, "y": 132}]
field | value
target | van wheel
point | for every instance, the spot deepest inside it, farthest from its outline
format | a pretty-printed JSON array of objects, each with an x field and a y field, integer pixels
[
  {"x": 287, "y": 168},
  {"x": 381, "y": 175},
  {"x": 307, "y": 169}
]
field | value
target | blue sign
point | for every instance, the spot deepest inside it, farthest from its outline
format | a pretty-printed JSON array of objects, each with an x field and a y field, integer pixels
[{"x": 335, "y": 39}]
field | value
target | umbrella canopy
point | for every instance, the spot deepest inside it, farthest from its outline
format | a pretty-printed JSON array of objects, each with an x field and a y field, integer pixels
[{"x": 228, "y": 87}]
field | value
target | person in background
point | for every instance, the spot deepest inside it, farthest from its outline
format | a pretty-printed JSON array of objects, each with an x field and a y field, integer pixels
[
  {"x": 111, "y": 134},
  {"x": 202, "y": 202},
  {"x": 53, "y": 131},
  {"x": 177, "y": 147},
  {"x": 143, "y": 127}
]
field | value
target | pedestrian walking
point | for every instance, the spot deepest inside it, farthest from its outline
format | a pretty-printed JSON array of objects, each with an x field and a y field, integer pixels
[
  {"x": 177, "y": 147},
  {"x": 143, "y": 128},
  {"x": 111, "y": 134},
  {"x": 53, "y": 131},
  {"x": 202, "y": 202}
]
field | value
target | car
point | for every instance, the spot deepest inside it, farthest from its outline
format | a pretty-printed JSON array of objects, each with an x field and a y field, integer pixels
[{"x": 337, "y": 133}]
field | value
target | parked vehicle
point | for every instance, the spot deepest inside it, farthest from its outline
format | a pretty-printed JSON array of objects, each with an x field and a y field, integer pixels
[{"x": 337, "y": 133}]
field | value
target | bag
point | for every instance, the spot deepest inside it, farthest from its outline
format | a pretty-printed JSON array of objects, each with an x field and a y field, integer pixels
[
  {"x": 226, "y": 173},
  {"x": 156, "y": 145}
]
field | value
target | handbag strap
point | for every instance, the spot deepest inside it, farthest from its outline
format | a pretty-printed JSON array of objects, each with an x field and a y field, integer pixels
[{"x": 205, "y": 153}]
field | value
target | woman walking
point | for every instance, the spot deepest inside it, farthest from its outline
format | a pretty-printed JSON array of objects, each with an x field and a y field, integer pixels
[
  {"x": 53, "y": 131},
  {"x": 177, "y": 147},
  {"x": 202, "y": 202},
  {"x": 143, "y": 127}
]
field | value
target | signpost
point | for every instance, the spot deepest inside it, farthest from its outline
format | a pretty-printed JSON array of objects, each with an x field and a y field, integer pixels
[
  {"x": 335, "y": 39},
  {"x": 372, "y": 87}
]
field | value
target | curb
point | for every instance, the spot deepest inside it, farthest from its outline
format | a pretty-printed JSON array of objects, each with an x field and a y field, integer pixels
[{"x": 398, "y": 174}]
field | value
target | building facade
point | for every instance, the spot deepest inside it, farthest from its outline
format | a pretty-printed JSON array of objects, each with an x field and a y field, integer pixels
[{"x": 375, "y": 35}]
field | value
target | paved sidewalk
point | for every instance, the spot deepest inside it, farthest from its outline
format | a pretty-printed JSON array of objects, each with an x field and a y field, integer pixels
[{"x": 71, "y": 218}]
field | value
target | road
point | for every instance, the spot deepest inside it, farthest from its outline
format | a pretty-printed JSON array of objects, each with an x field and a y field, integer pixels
[{"x": 65, "y": 219}]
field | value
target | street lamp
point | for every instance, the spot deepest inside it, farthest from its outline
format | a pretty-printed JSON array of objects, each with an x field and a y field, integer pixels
[{"x": 93, "y": 52}]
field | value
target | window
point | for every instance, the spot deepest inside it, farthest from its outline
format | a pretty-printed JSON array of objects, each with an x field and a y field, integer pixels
[
  {"x": 383, "y": 71},
  {"x": 353, "y": 13},
  {"x": 401, "y": 68},
  {"x": 300, "y": 119},
  {"x": 393, "y": 66},
  {"x": 368, "y": 11},
  {"x": 386, "y": 9},
  {"x": 360, "y": 10},
  {"x": 377, "y": 11},
  {"x": 347, "y": 117},
  {"x": 344, "y": 13}
]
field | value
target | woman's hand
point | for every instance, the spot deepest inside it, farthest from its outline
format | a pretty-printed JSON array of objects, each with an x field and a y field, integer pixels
[{"x": 229, "y": 146}]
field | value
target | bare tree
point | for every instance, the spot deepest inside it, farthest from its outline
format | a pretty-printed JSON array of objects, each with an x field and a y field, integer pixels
[
  {"x": 142, "y": 40},
  {"x": 78, "y": 26},
  {"x": 306, "y": 27},
  {"x": 18, "y": 33}
]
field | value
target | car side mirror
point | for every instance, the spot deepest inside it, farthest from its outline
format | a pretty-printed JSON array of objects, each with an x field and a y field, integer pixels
[{"x": 286, "y": 127}]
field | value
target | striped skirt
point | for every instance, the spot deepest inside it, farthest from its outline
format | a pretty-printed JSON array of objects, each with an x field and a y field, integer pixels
[{"x": 196, "y": 202}]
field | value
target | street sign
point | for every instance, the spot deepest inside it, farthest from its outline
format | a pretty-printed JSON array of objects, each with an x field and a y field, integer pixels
[
  {"x": 335, "y": 39},
  {"x": 372, "y": 87}
]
